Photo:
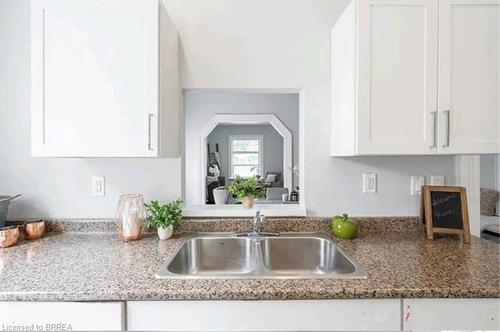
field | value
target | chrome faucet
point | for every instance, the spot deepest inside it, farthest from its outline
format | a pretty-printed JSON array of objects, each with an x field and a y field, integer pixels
[{"x": 257, "y": 222}]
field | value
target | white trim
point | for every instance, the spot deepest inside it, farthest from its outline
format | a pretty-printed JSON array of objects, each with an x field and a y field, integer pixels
[
  {"x": 269, "y": 210},
  {"x": 497, "y": 174},
  {"x": 260, "y": 138},
  {"x": 248, "y": 119},
  {"x": 302, "y": 149},
  {"x": 468, "y": 175},
  {"x": 189, "y": 91}
]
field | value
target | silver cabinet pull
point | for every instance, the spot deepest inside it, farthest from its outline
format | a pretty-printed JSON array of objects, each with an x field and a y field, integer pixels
[
  {"x": 434, "y": 130},
  {"x": 150, "y": 148},
  {"x": 447, "y": 144}
]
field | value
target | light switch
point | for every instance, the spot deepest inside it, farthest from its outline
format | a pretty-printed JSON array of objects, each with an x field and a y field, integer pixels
[{"x": 416, "y": 185}]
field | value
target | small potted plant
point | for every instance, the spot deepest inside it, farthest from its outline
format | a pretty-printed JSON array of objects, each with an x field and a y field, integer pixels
[
  {"x": 163, "y": 217},
  {"x": 247, "y": 190}
]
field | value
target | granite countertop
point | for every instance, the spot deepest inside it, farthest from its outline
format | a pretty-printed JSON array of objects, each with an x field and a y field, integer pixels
[{"x": 82, "y": 266}]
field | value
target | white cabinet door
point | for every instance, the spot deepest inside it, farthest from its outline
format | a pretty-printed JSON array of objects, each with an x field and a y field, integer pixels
[
  {"x": 61, "y": 316},
  {"x": 469, "y": 74},
  {"x": 397, "y": 87},
  {"x": 95, "y": 78},
  {"x": 328, "y": 315},
  {"x": 451, "y": 314}
]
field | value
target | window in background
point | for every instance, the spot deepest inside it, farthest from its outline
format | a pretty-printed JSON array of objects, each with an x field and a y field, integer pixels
[{"x": 245, "y": 155}]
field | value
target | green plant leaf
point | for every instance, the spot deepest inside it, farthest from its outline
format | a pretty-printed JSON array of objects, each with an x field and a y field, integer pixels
[
  {"x": 163, "y": 215},
  {"x": 250, "y": 187}
]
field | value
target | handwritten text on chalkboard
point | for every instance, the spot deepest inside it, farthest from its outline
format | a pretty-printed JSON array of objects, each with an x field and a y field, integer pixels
[{"x": 446, "y": 210}]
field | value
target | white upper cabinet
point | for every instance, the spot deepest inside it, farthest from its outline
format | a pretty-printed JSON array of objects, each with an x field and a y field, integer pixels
[
  {"x": 469, "y": 73},
  {"x": 396, "y": 70},
  {"x": 104, "y": 79},
  {"x": 397, "y": 76}
]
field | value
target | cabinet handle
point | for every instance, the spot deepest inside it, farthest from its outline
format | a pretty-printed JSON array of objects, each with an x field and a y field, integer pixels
[
  {"x": 150, "y": 148},
  {"x": 434, "y": 130},
  {"x": 447, "y": 144}
]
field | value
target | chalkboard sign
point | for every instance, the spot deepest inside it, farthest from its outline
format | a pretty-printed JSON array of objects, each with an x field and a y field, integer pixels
[{"x": 444, "y": 210}]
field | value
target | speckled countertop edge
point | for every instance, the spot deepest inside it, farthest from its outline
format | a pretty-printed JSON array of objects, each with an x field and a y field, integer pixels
[{"x": 278, "y": 224}]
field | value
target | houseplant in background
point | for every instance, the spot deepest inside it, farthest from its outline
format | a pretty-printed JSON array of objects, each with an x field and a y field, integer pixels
[
  {"x": 164, "y": 217},
  {"x": 247, "y": 190}
]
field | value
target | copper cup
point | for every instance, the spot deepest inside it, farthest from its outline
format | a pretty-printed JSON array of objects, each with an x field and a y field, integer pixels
[
  {"x": 9, "y": 236},
  {"x": 34, "y": 230}
]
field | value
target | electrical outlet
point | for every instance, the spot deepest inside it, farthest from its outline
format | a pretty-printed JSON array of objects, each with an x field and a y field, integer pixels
[
  {"x": 437, "y": 180},
  {"x": 98, "y": 186},
  {"x": 369, "y": 183},
  {"x": 416, "y": 185}
]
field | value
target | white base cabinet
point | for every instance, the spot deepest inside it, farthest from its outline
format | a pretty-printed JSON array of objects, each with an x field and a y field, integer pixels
[
  {"x": 61, "y": 316},
  {"x": 451, "y": 314},
  {"x": 320, "y": 315},
  {"x": 306, "y": 315}
]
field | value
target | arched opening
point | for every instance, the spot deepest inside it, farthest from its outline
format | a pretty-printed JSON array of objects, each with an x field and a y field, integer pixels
[{"x": 242, "y": 120}]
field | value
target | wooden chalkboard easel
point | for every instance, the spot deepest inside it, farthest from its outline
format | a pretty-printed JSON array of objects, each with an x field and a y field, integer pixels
[{"x": 444, "y": 210}]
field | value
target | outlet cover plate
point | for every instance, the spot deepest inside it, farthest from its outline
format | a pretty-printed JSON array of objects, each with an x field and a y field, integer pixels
[
  {"x": 369, "y": 183},
  {"x": 98, "y": 186},
  {"x": 437, "y": 180}
]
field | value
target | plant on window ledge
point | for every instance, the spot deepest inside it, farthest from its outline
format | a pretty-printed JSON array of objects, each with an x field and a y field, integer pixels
[
  {"x": 163, "y": 217},
  {"x": 247, "y": 190}
]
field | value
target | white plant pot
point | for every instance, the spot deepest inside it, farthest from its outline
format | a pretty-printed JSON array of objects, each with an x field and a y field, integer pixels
[{"x": 165, "y": 233}]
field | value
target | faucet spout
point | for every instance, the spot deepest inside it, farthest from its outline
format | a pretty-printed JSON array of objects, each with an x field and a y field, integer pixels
[{"x": 257, "y": 222}]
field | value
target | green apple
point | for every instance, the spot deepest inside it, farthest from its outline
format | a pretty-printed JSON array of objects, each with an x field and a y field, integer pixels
[{"x": 343, "y": 227}]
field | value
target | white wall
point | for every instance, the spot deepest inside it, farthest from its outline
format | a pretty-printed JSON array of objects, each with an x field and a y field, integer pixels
[
  {"x": 286, "y": 44},
  {"x": 272, "y": 153},
  {"x": 225, "y": 44},
  {"x": 59, "y": 187},
  {"x": 490, "y": 173}
]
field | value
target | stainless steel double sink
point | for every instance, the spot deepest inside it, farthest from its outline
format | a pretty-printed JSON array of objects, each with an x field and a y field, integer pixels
[{"x": 290, "y": 256}]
